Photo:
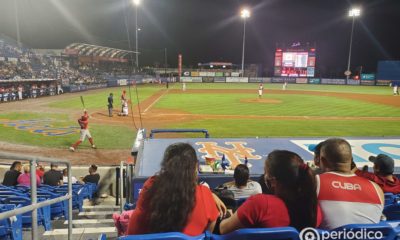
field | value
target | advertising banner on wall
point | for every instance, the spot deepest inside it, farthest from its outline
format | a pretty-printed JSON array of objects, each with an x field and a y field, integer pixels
[
  {"x": 235, "y": 74},
  {"x": 219, "y": 74},
  {"x": 367, "y": 76},
  {"x": 210, "y": 74},
  {"x": 335, "y": 81},
  {"x": 208, "y": 79},
  {"x": 353, "y": 82},
  {"x": 203, "y": 74},
  {"x": 383, "y": 82},
  {"x": 367, "y": 82},
  {"x": 219, "y": 79},
  {"x": 255, "y": 80},
  {"x": 301, "y": 80},
  {"x": 237, "y": 79},
  {"x": 194, "y": 74},
  {"x": 186, "y": 79},
  {"x": 314, "y": 81}
]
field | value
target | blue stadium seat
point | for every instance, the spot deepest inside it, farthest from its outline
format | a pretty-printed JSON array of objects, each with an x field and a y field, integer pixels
[
  {"x": 171, "y": 235},
  {"x": 57, "y": 209},
  {"x": 77, "y": 198},
  {"x": 386, "y": 229},
  {"x": 390, "y": 198},
  {"x": 10, "y": 228},
  {"x": 392, "y": 211},
  {"x": 259, "y": 234},
  {"x": 43, "y": 213}
]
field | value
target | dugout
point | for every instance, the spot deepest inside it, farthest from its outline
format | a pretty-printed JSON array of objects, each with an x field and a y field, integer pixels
[{"x": 148, "y": 151}]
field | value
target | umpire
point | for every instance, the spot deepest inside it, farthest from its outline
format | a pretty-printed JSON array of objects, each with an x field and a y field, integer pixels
[{"x": 110, "y": 105}]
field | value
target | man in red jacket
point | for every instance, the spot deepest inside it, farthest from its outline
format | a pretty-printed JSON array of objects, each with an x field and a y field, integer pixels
[{"x": 383, "y": 173}]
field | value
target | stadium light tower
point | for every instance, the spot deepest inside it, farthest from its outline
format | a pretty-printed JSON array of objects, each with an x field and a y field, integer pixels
[
  {"x": 353, "y": 13},
  {"x": 136, "y": 3},
  {"x": 244, "y": 14}
]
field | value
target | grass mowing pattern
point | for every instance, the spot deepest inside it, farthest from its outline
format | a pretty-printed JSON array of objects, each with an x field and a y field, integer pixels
[
  {"x": 105, "y": 136},
  {"x": 291, "y": 105},
  {"x": 235, "y": 128}
]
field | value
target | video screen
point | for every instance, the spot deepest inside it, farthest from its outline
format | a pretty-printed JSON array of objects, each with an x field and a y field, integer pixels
[{"x": 295, "y": 63}]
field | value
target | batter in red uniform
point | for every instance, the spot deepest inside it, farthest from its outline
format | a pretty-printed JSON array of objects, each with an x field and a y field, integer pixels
[{"x": 84, "y": 124}]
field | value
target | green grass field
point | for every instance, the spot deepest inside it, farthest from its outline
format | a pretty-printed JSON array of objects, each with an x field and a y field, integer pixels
[
  {"x": 106, "y": 136},
  {"x": 119, "y": 136}
]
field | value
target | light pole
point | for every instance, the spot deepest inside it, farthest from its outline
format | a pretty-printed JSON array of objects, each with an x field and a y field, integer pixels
[
  {"x": 245, "y": 13},
  {"x": 354, "y": 12},
  {"x": 136, "y": 3}
]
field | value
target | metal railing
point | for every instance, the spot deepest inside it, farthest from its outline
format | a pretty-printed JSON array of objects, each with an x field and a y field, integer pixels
[{"x": 34, "y": 204}]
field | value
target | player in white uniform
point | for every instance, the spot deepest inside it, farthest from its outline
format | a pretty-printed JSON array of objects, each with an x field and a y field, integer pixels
[
  {"x": 184, "y": 87},
  {"x": 284, "y": 86},
  {"x": 260, "y": 90},
  {"x": 84, "y": 124},
  {"x": 124, "y": 109}
]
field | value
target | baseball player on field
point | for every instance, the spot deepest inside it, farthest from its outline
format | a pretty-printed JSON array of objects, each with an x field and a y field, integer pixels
[
  {"x": 84, "y": 124},
  {"x": 260, "y": 90}
]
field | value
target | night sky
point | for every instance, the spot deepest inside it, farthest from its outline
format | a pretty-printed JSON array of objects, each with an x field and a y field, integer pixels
[{"x": 211, "y": 30}]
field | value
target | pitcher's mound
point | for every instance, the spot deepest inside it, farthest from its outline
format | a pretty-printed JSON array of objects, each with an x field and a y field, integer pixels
[{"x": 261, "y": 100}]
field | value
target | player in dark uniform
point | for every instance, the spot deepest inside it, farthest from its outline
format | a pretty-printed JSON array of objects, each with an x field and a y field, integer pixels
[{"x": 110, "y": 105}]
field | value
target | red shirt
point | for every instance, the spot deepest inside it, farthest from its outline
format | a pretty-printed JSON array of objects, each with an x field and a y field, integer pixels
[
  {"x": 204, "y": 212},
  {"x": 266, "y": 211},
  {"x": 84, "y": 123},
  {"x": 386, "y": 185}
]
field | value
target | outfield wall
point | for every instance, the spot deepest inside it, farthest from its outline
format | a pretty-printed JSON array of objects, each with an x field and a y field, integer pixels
[{"x": 299, "y": 80}]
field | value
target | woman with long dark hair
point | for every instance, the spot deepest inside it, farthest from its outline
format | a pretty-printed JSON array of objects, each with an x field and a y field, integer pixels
[
  {"x": 172, "y": 201},
  {"x": 294, "y": 200}
]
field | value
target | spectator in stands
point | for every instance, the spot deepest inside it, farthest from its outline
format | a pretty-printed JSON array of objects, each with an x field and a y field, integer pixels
[
  {"x": 92, "y": 177},
  {"x": 11, "y": 176},
  {"x": 317, "y": 155},
  {"x": 25, "y": 178},
  {"x": 172, "y": 201},
  {"x": 65, "y": 177},
  {"x": 53, "y": 177},
  {"x": 293, "y": 203},
  {"x": 344, "y": 197},
  {"x": 383, "y": 173},
  {"x": 40, "y": 171},
  {"x": 242, "y": 187}
]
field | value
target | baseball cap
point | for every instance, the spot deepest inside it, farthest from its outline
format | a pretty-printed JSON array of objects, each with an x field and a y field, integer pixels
[{"x": 384, "y": 163}]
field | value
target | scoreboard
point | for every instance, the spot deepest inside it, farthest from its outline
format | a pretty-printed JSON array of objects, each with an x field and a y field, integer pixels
[{"x": 295, "y": 62}]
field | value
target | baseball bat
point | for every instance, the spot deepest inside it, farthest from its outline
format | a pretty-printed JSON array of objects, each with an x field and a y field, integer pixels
[{"x": 83, "y": 102}]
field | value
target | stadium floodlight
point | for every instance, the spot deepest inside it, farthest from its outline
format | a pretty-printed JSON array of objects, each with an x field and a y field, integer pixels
[
  {"x": 136, "y": 3},
  {"x": 353, "y": 13},
  {"x": 244, "y": 14}
]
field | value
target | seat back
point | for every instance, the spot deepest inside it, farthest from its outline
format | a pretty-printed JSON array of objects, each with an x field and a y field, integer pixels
[
  {"x": 392, "y": 211},
  {"x": 170, "y": 235},
  {"x": 259, "y": 234}
]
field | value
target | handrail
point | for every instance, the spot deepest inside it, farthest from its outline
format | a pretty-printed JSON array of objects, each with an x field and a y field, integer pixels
[
  {"x": 34, "y": 204},
  {"x": 205, "y": 131}
]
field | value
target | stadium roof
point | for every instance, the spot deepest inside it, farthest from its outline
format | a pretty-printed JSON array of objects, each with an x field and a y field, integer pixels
[{"x": 83, "y": 49}]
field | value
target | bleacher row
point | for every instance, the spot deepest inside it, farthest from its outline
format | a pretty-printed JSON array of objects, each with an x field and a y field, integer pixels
[{"x": 19, "y": 196}]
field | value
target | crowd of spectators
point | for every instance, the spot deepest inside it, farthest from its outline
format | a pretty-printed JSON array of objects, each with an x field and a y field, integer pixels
[
  {"x": 333, "y": 194},
  {"x": 20, "y": 175}
]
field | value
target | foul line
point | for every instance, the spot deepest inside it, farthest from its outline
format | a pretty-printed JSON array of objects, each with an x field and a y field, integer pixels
[{"x": 155, "y": 101}]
